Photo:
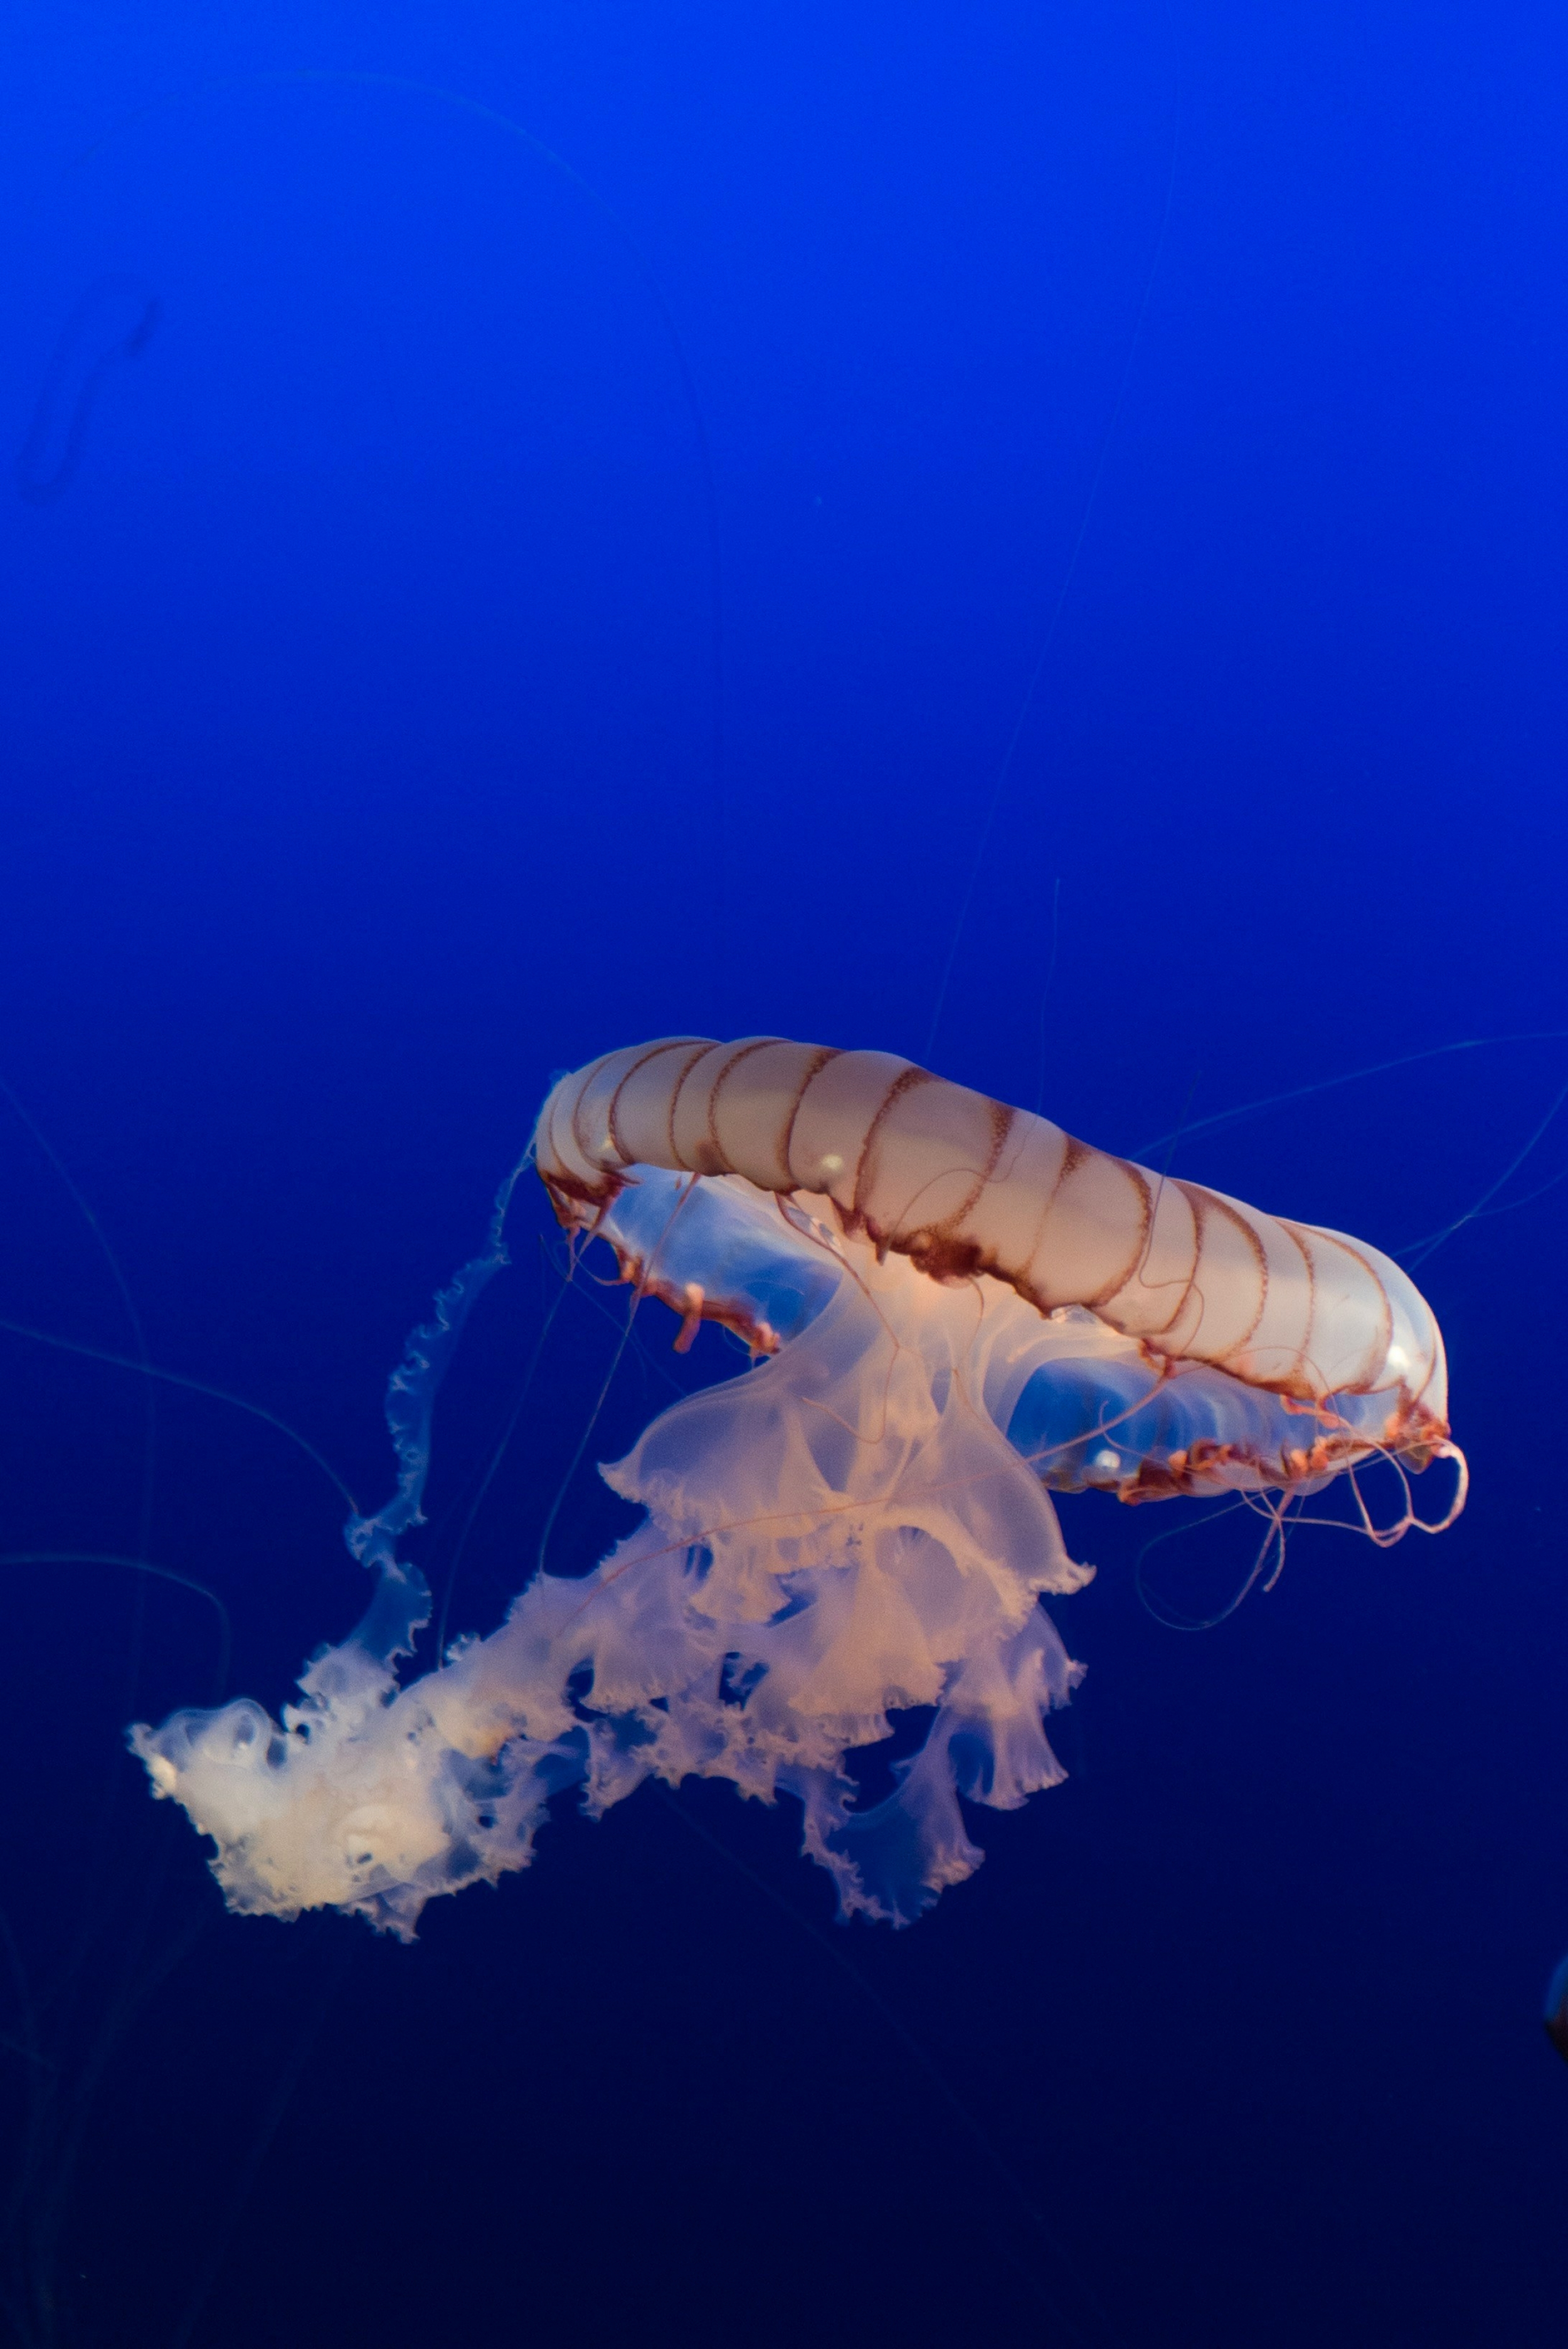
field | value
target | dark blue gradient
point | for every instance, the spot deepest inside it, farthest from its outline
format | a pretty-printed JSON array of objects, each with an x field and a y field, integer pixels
[{"x": 1040, "y": 530}]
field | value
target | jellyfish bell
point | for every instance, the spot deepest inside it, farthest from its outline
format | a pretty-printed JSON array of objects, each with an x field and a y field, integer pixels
[
  {"x": 963, "y": 1186},
  {"x": 951, "y": 1309}
]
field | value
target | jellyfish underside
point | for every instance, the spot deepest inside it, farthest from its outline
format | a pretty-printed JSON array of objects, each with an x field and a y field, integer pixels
[{"x": 855, "y": 1524}]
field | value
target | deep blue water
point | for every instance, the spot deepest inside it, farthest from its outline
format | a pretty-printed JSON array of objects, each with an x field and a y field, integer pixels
[{"x": 492, "y": 575}]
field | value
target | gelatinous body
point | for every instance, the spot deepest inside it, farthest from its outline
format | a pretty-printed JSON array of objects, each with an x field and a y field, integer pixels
[
  {"x": 948, "y": 1309},
  {"x": 960, "y": 1184}
]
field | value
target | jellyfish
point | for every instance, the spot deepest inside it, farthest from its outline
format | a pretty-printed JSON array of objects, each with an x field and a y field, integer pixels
[{"x": 948, "y": 1310}]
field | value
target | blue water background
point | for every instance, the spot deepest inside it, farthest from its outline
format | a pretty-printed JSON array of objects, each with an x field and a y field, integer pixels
[{"x": 373, "y": 746}]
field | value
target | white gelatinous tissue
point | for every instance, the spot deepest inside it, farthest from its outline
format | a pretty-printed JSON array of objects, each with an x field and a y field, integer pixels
[{"x": 839, "y": 1532}]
